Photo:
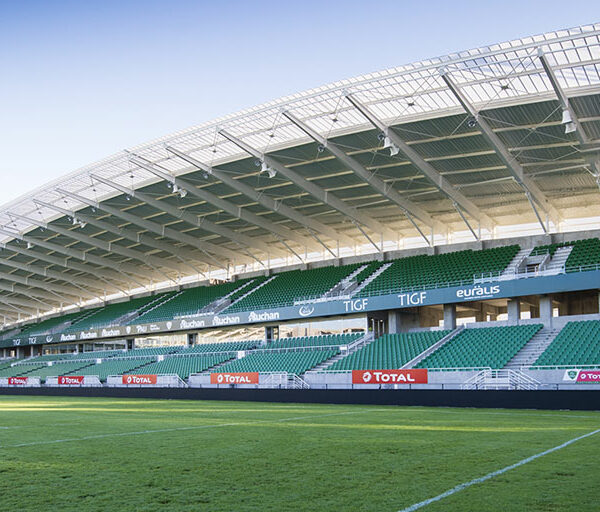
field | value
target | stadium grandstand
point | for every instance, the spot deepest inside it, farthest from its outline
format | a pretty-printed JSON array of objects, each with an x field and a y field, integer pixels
[{"x": 434, "y": 225}]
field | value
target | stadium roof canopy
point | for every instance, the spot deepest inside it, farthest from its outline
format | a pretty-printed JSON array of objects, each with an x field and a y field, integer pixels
[{"x": 467, "y": 143}]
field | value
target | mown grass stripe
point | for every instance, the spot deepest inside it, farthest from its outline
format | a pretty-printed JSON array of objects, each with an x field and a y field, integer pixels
[{"x": 493, "y": 474}]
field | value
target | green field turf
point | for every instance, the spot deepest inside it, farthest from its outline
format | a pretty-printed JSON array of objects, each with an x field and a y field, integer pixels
[{"x": 109, "y": 455}]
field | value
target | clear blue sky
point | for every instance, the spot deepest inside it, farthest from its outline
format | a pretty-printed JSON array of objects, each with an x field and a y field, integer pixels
[{"x": 82, "y": 79}]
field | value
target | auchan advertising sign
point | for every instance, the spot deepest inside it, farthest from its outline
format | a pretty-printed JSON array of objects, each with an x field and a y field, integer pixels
[
  {"x": 17, "y": 381},
  {"x": 418, "y": 376},
  {"x": 70, "y": 380},
  {"x": 139, "y": 380},
  {"x": 234, "y": 378}
]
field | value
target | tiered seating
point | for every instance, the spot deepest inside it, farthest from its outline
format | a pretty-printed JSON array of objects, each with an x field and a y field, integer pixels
[
  {"x": 291, "y": 362},
  {"x": 228, "y": 346},
  {"x": 117, "y": 367},
  {"x": 293, "y": 285},
  {"x": 108, "y": 315},
  {"x": 19, "y": 369},
  {"x": 98, "y": 354},
  {"x": 49, "y": 357},
  {"x": 578, "y": 343},
  {"x": 367, "y": 271},
  {"x": 45, "y": 326},
  {"x": 390, "y": 351},
  {"x": 189, "y": 301},
  {"x": 486, "y": 347},
  {"x": 151, "y": 351},
  {"x": 6, "y": 364},
  {"x": 584, "y": 256},
  {"x": 422, "y": 271},
  {"x": 547, "y": 249},
  {"x": 316, "y": 341},
  {"x": 184, "y": 366},
  {"x": 58, "y": 369}
]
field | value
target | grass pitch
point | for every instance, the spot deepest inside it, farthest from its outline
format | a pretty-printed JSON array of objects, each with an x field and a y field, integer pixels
[{"x": 107, "y": 454}]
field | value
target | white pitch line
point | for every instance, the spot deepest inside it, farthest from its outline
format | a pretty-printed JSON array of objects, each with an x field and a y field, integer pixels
[
  {"x": 174, "y": 429},
  {"x": 493, "y": 474}
]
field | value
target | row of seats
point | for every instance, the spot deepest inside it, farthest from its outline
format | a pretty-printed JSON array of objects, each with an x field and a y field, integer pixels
[
  {"x": 182, "y": 366},
  {"x": 287, "y": 287},
  {"x": 421, "y": 271},
  {"x": 110, "y": 315},
  {"x": 315, "y": 341},
  {"x": 189, "y": 301},
  {"x": 390, "y": 351},
  {"x": 290, "y": 362},
  {"x": 577, "y": 344},
  {"x": 485, "y": 347}
]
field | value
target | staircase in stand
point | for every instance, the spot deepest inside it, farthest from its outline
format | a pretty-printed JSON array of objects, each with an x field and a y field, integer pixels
[
  {"x": 353, "y": 347},
  {"x": 413, "y": 362},
  {"x": 533, "y": 349},
  {"x": 371, "y": 278},
  {"x": 249, "y": 292},
  {"x": 513, "y": 266},
  {"x": 345, "y": 285},
  {"x": 221, "y": 303},
  {"x": 557, "y": 263}
]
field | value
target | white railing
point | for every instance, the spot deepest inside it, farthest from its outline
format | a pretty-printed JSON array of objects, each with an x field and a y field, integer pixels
[
  {"x": 281, "y": 380},
  {"x": 501, "y": 379},
  {"x": 162, "y": 381},
  {"x": 561, "y": 367},
  {"x": 89, "y": 381},
  {"x": 21, "y": 382}
]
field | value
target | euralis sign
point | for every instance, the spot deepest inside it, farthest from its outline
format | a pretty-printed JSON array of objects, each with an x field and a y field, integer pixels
[{"x": 417, "y": 376}]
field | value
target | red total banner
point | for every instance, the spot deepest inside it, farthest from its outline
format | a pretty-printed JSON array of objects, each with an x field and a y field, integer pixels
[
  {"x": 139, "y": 380},
  {"x": 70, "y": 380},
  {"x": 418, "y": 376},
  {"x": 234, "y": 378},
  {"x": 17, "y": 381},
  {"x": 589, "y": 376}
]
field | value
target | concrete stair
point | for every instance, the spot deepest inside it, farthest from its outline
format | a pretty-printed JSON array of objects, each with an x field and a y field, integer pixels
[
  {"x": 413, "y": 362},
  {"x": 512, "y": 267},
  {"x": 365, "y": 340},
  {"x": 557, "y": 263},
  {"x": 533, "y": 349},
  {"x": 371, "y": 278},
  {"x": 252, "y": 291}
]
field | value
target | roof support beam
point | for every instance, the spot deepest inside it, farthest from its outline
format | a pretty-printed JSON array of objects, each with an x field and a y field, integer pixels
[
  {"x": 566, "y": 106},
  {"x": 34, "y": 294},
  {"x": 265, "y": 200},
  {"x": 313, "y": 189},
  {"x": 89, "y": 287},
  {"x": 158, "y": 229},
  {"x": 53, "y": 288},
  {"x": 74, "y": 253},
  {"x": 507, "y": 158},
  {"x": 386, "y": 190},
  {"x": 128, "y": 234},
  {"x": 13, "y": 306},
  {"x": 32, "y": 304},
  {"x": 441, "y": 183},
  {"x": 192, "y": 219},
  {"x": 65, "y": 263},
  {"x": 109, "y": 247},
  {"x": 232, "y": 209}
]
